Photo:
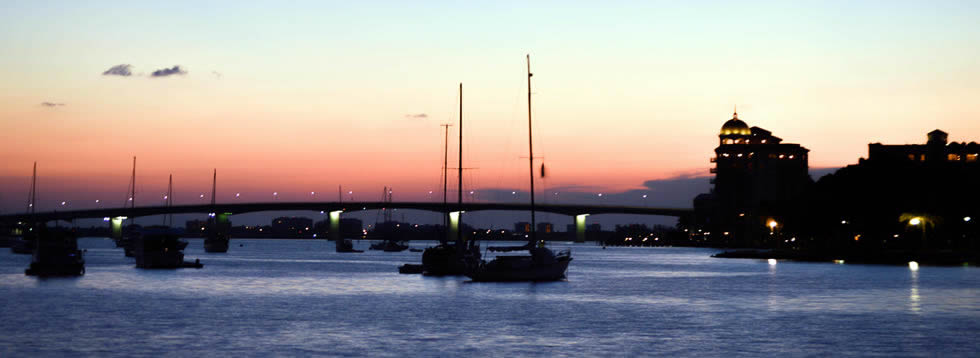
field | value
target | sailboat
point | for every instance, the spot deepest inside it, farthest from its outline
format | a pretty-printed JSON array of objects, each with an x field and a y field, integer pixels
[
  {"x": 448, "y": 258},
  {"x": 388, "y": 231},
  {"x": 55, "y": 251},
  {"x": 541, "y": 264},
  {"x": 217, "y": 239}
]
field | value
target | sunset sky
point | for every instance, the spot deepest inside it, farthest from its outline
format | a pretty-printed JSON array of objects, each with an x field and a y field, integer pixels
[{"x": 297, "y": 96}]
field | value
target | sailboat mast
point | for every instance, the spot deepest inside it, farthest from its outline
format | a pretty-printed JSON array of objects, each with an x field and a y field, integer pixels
[
  {"x": 132, "y": 195},
  {"x": 459, "y": 209},
  {"x": 32, "y": 204},
  {"x": 214, "y": 187},
  {"x": 132, "y": 191},
  {"x": 445, "y": 183},
  {"x": 530, "y": 148},
  {"x": 168, "y": 220}
]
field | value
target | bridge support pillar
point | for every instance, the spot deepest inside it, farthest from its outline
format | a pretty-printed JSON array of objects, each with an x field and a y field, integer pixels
[
  {"x": 335, "y": 225},
  {"x": 580, "y": 227},
  {"x": 454, "y": 225},
  {"x": 115, "y": 226}
]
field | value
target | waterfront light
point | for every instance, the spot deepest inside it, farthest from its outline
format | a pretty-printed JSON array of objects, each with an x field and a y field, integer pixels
[
  {"x": 202, "y": 196},
  {"x": 915, "y": 221},
  {"x": 772, "y": 262},
  {"x": 772, "y": 224},
  {"x": 967, "y": 219},
  {"x": 63, "y": 203},
  {"x": 644, "y": 196},
  {"x": 914, "y": 266},
  {"x": 238, "y": 195},
  {"x": 839, "y": 262},
  {"x": 96, "y": 201}
]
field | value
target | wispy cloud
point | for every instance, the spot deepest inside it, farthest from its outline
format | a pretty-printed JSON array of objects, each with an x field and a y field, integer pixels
[
  {"x": 119, "y": 70},
  {"x": 164, "y": 72},
  {"x": 51, "y": 104},
  {"x": 417, "y": 116}
]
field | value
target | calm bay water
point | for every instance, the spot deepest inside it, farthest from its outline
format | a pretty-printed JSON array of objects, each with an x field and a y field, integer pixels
[{"x": 298, "y": 297}]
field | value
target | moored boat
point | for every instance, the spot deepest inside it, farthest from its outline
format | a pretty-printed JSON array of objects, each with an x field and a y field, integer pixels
[
  {"x": 160, "y": 248},
  {"x": 56, "y": 254},
  {"x": 541, "y": 264}
]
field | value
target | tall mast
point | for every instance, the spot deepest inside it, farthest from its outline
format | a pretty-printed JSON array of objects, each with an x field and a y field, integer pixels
[
  {"x": 132, "y": 192},
  {"x": 459, "y": 209},
  {"x": 32, "y": 200},
  {"x": 168, "y": 220},
  {"x": 214, "y": 187},
  {"x": 530, "y": 147},
  {"x": 445, "y": 182},
  {"x": 132, "y": 195}
]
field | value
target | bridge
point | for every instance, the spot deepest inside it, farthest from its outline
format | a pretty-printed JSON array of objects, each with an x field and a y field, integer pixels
[{"x": 335, "y": 208}]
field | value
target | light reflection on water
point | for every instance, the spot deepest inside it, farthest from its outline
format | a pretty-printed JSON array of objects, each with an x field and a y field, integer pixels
[{"x": 293, "y": 297}]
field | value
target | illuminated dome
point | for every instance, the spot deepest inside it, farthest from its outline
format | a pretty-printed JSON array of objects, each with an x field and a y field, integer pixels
[{"x": 735, "y": 126}]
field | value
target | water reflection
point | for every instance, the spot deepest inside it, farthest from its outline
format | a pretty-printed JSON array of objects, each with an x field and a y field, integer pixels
[{"x": 914, "y": 292}]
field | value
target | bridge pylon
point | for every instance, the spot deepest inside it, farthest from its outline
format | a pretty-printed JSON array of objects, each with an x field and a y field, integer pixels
[{"x": 580, "y": 227}]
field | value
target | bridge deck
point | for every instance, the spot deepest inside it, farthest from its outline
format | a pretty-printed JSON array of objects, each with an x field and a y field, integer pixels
[{"x": 241, "y": 208}]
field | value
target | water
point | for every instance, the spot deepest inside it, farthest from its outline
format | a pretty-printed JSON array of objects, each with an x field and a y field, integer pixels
[{"x": 295, "y": 297}]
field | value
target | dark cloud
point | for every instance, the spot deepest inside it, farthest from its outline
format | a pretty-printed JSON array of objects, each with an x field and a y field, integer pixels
[
  {"x": 51, "y": 104},
  {"x": 164, "y": 72},
  {"x": 417, "y": 116},
  {"x": 119, "y": 70}
]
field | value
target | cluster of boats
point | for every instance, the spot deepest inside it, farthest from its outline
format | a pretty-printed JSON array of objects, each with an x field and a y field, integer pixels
[{"x": 463, "y": 256}]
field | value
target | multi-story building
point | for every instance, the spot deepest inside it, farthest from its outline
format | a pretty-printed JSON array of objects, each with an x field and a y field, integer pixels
[{"x": 756, "y": 176}]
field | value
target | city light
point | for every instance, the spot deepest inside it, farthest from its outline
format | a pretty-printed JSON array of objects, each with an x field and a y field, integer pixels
[
  {"x": 772, "y": 224},
  {"x": 63, "y": 203},
  {"x": 915, "y": 221},
  {"x": 238, "y": 195},
  {"x": 96, "y": 201},
  {"x": 967, "y": 219},
  {"x": 772, "y": 262},
  {"x": 914, "y": 266}
]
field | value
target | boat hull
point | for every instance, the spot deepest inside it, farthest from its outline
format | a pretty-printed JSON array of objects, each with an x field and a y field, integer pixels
[
  {"x": 519, "y": 269},
  {"x": 444, "y": 260},
  {"x": 216, "y": 245}
]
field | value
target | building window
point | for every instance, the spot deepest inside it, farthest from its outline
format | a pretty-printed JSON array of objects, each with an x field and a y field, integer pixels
[
  {"x": 922, "y": 157},
  {"x": 729, "y": 141},
  {"x": 971, "y": 157},
  {"x": 911, "y": 156},
  {"x": 953, "y": 157}
]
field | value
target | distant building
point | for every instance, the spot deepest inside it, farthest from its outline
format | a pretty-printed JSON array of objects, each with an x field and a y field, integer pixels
[
  {"x": 292, "y": 226},
  {"x": 906, "y": 197},
  {"x": 756, "y": 176},
  {"x": 545, "y": 227},
  {"x": 522, "y": 227},
  {"x": 935, "y": 150}
]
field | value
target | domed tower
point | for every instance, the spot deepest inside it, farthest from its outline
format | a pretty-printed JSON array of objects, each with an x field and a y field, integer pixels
[{"x": 734, "y": 131}]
